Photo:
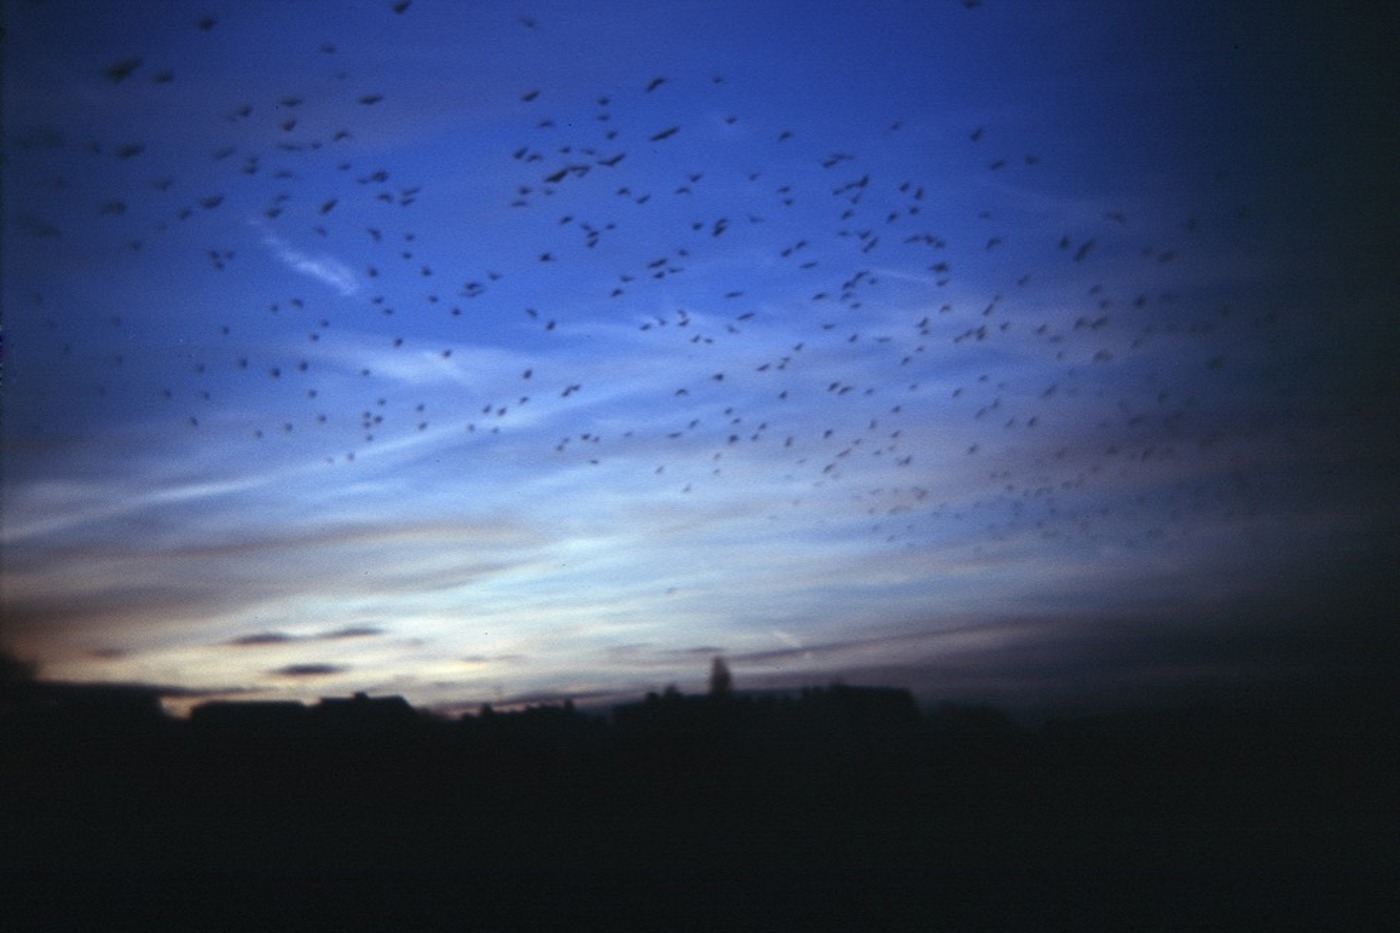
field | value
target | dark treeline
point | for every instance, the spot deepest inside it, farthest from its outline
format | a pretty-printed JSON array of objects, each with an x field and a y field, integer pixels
[{"x": 837, "y": 806}]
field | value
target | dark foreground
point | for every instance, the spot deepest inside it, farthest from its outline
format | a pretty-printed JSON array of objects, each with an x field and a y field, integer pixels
[{"x": 837, "y": 811}]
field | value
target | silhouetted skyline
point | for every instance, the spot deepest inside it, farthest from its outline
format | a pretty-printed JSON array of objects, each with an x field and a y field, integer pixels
[{"x": 829, "y": 806}]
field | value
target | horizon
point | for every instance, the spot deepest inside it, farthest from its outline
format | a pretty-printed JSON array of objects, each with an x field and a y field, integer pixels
[{"x": 1022, "y": 354}]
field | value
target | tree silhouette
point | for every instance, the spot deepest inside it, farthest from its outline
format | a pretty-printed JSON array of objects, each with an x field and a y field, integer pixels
[
  {"x": 721, "y": 681},
  {"x": 15, "y": 671}
]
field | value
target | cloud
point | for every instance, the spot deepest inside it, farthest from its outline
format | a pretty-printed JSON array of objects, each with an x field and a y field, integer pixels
[
  {"x": 161, "y": 690},
  {"x": 323, "y": 267},
  {"x": 308, "y": 670},
  {"x": 352, "y": 631},
  {"x": 261, "y": 638},
  {"x": 648, "y": 654}
]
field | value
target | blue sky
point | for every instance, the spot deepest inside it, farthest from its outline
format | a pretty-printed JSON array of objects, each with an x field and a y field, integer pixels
[{"x": 506, "y": 352}]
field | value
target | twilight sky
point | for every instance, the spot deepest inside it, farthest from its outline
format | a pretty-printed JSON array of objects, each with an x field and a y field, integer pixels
[{"x": 500, "y": 351}]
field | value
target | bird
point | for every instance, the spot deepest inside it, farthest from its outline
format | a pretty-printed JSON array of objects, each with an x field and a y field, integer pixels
[{"x": 119, "y": 71}]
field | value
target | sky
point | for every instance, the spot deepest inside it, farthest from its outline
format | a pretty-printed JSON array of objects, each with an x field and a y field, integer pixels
[{"x": 520, "y": 352}]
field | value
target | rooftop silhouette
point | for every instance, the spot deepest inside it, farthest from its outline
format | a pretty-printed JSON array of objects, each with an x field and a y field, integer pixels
[{"x": 825, "y": 802}]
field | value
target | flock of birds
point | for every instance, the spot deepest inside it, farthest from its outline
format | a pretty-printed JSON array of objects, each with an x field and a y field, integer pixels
[{"x": 615, "y": 204}]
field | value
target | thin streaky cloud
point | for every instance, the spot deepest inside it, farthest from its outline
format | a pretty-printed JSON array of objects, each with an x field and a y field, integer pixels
[
  {"x": 323, "y": 267},
  {"x": 308, "y": 670}
]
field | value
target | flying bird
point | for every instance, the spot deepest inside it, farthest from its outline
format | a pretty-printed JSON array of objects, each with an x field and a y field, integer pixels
[{"x": 118, "y": 72}]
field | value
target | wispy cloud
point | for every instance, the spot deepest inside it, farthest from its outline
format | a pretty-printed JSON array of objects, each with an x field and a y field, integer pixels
[
  {"x": 261, "y": 638},
  {"x": 320, "y": 266},
  {"x": 353, "y": 631},
  {"x": 308, "y": 670}
]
